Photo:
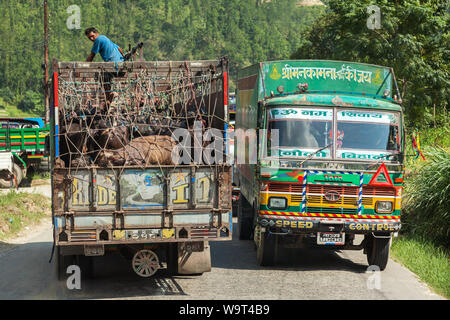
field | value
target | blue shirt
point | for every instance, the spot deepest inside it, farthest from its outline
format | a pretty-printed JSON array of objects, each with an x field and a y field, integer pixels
[{"x": 108, "y": 49}]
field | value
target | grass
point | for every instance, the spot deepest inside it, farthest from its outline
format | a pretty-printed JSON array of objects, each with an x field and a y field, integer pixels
[
  {"x": 432, "y": 137},
  {"x": 39, "y": 175},
  {"x": 19, "y": 210},
  {"x": 426, "y": 200},
  {"x": 10, "y": 110},
  {"x": 422, "y": 246},
  {"x": 430, "y": 263}
]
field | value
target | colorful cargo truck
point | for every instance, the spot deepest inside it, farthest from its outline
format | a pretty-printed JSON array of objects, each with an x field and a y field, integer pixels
[
  {"x": 130, "y": 166},
  {"x": 319, "y": 157},
  {"x": 23, "y": 144}
]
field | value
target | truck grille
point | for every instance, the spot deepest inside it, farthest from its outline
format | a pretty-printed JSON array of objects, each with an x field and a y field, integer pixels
[
  {"x": 331, "y": 210},
  {"x": 316, "y": 193}
]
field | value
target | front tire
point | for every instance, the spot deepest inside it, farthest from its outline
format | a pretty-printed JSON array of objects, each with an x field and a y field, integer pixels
[
  {"x": 267, "y": 249},
  {"x": 245, "y": 220},
  {"x": 378, "y": 252}
]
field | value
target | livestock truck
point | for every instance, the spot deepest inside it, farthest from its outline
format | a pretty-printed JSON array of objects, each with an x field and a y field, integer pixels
[
  {"x": 319, "y": 157},
  {"x": 138, "y": 164}
]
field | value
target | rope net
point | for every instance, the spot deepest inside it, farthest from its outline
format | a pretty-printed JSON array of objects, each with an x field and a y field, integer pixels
[{"x": 126, "y": 119}]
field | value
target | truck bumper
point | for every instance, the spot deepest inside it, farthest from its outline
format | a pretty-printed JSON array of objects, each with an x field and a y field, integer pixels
[
  {"x": 139, "y": 228},
  {"x": 297, "y": 224}
]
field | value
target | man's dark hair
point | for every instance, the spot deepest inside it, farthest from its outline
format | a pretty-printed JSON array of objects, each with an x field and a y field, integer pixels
[{"x": 89, "y": 30}]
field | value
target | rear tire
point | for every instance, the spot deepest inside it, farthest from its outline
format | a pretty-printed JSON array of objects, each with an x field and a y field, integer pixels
[
  {"x": 267, "y": 249},
  {"x": 245, "y": 222},
  {"x": 378, "y": 252},
  {"x": 234, "y": 208},
  {"x": 18, "y": 173},
  {"x": 172, "y": 259}
]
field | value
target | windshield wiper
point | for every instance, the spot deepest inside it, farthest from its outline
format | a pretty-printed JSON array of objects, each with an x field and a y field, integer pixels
[
  {"x": 381, "y": 158},
  {"x": 316, "y": 152}
]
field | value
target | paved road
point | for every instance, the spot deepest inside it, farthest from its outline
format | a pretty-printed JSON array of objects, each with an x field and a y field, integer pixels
[
  {"x": 43, "y": 189},
  {"x": 301, "y": 274}
]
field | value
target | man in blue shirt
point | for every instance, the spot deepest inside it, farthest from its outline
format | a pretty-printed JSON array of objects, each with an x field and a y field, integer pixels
[{"x": 107, "y": 49}]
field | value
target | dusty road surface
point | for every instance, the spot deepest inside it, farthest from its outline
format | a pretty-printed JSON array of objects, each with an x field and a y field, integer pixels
[
  {"x": 43, "y": 189},
  {"x": 300, "y": 274}
]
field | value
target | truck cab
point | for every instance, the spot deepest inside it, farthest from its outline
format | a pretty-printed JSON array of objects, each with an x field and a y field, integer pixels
[{"x": 328, "y": 162}]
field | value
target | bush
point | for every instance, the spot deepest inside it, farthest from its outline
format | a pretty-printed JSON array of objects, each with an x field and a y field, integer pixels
[
  {"x": 7, "y": 95},
  {"x": 427, "y": 202},
  {"x": 31, "y": 102}
]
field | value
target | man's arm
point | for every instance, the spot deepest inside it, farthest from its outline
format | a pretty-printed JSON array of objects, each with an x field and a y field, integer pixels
[{"x": 90, "y": 57}]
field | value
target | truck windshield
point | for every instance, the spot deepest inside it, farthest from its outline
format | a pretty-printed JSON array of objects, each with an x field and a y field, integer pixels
[
  {"x": 302, "y": 131},
  {"x": 376, "y": 133},
  {"x": 359, "y": 135}
]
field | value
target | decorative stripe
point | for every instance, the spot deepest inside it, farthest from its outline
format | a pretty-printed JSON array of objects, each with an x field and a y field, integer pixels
[
  {"x": 340, "y": 172},
  {"x": 225, "y": 90},
  {"x": 19, "y": 144},
  {"x": 332, "y": 215},
  {"x": 305, "y": 178},
  {"x": 319, "y": 194},
  {"x": 26, "y": 137},
  {"x": 361, "y": 177},
  {"x": 327, "y": 219}
]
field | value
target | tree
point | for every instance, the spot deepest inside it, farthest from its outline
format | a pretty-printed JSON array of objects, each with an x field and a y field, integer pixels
[
  {"x": 413, "y": 39},
  {"x": 246, "y": 31},
  {"x": 31, "y": 102}
]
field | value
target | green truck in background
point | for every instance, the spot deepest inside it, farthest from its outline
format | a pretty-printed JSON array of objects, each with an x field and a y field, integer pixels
[
  {"x": 22, "y": 145},
  {"x": 319, "y": 152}
]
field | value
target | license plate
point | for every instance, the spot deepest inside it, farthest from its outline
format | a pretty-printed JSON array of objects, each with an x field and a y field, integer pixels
[
  {"x": 143, "y": 234},
  {"x": 331, "y": 238}
]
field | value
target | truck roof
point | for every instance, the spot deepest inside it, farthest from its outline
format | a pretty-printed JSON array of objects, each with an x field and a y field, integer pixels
[
  {"x": 38, "y": 121},
  {"x": 323, "y": 77},
  {"x": 342, "y": 100}
]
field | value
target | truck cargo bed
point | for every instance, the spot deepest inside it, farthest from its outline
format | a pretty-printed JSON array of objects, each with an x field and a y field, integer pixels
[{"x": 113, "y": 180}]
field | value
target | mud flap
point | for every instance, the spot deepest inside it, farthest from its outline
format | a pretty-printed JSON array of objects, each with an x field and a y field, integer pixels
[{"x": 194, "y": 257}]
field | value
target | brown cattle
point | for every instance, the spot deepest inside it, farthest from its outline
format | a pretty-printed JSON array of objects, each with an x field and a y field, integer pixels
[{"x": 149, "y": 150}]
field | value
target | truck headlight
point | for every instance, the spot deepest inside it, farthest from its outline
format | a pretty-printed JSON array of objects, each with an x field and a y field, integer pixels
[
  {"x": 277, "y": 203},
  {"x": 384, "y": 206}
]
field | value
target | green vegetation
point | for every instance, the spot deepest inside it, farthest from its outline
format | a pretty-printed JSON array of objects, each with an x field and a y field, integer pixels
[
  {"x": 428, "y": 262},
  {"x": 413, "y": 38},
  {"x": 39, "y": 175},
  {"x": 18, "y": 210},
  {"x": 246, "y": 31},
  {"x": 427, "y": 192},
  {"x": 11, "y": 110},
  {"x": 423, "y": 245}
]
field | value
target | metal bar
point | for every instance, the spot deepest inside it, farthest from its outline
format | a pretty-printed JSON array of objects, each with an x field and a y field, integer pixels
[{"x": 46, "y": 78}]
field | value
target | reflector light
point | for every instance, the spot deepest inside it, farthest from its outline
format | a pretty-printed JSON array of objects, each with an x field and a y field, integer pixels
[{"x": 381, "y": 170}]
